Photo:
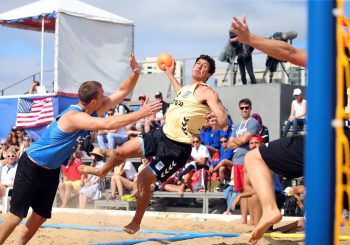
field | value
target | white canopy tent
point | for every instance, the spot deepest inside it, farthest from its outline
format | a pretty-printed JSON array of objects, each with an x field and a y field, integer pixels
[{"x": 90, "y": 43}]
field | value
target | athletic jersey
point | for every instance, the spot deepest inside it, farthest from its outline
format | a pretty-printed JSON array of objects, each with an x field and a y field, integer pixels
[
  {"x": 55, "y": 146},
  {"x": 185, "y": 116}
]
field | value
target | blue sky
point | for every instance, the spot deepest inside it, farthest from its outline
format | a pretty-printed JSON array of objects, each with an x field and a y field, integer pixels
[{"x": 184, "y": 28}]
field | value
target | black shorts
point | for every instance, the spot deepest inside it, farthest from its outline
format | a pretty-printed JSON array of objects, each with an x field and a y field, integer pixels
[
  {"x": 285, "y": 156},
  {"x": 34, "y": 187},
  {"x": 170, "y": 155}
]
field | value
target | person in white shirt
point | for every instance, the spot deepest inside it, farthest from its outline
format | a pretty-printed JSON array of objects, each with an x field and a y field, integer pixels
[
  {"x": 123, "y": 179},
  {"x": 8, "y": 171},
  {"x": 90, "y": 189},
  {"x": 297, "y": 113},
  {"x": 200, "y": 158}
]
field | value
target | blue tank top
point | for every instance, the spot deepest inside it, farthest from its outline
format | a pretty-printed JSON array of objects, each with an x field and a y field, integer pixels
[{"x": 55, "y": 146}]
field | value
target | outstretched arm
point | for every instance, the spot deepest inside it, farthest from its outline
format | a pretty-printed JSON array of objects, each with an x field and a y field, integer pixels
[
  {"x": 124, "y": 88},
  {"x": 170, "y": 71},
  {"x": 274, "y": 48},
  {"x": 73, "y": 120}
]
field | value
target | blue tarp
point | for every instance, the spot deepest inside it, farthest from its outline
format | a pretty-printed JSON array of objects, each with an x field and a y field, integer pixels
[{"x": 8, "y": 113}]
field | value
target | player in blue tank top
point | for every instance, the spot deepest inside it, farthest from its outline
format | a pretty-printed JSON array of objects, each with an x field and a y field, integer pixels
[{"x": 38, "y": 170}]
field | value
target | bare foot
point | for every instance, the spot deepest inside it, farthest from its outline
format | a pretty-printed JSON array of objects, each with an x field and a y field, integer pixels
[
  {"x": 131, "y": 228},
  {"x": 90, "y": 170},
  {"x": 266, "y": 221}
]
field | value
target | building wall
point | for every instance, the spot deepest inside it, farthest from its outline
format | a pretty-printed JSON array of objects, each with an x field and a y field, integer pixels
[{"x": 271, "y": 101}]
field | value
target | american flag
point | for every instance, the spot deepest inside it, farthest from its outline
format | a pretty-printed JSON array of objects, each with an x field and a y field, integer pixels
[{"x": 34, "y": 112}]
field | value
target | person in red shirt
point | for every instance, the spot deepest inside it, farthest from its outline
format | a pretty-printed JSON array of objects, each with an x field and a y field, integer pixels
[{"x": 72, "y": 178}]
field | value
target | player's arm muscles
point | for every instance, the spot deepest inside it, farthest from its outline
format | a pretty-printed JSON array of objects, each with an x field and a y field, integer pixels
[
  {"x": 82, "y": 121},
  {"x": 216, "y": 106}
]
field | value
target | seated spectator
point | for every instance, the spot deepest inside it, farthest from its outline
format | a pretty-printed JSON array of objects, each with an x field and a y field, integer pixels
[
  {"x": 122, "y": 109},
  {"x": 210, "y": 138},
  {"x": 297, "y": 115},
  {"x": 91, "y": 182},
  {"x": 85, "y": 144},
  {"x": 20, "y": 134},
  {"x": 3, "y": 150},
  {"x": 123, "y": 179},
  {"x": 173, "y": 184},
  {"x": 199, "y": 159},
  {"x": 12, "y": 138},
  {"x": 72, "y": 179},
  {"x": 114, "y": 137},
  {"x": 8, "y": 171},
  {"x": 227, "y": 131},
  {"x": 140, "y": 124},
  {"x": 223, "y": 166},
  {"x": 158, "y": 119},
  {"x": 24, "y": 145},
  {"x": 263, "y": 131}
]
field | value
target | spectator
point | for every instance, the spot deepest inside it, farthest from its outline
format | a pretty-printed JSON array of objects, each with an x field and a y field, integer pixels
[
  {"x": 224, "y": 164},
  {"x": 34, "y": 88},
  {"x": 263, "y": 131},
  {"x": 90, "y": 189},
  {"x": 8, "y": 172},
  {"x": 24, "y": 145},
  {"x": 210, "y": 137},
  {"x": 123, "y": 179},
  {"x": 227, "y": 131},
  {"x": 12, "y": 138},
  {"x": 114, "y": 137},
  {"x": 140, "y": 124},
  {"x": 4, "y": 148},
  {"x": 20, "y": 135},
  {"x": 158, "y": 119},
  {"x": 172, "y": 184},
  {"x": 200, "y": 158},
  {"x": 239, "y": 141},
  {"x": 297, "y": 115},
  {"x": 72, "y": 179}
]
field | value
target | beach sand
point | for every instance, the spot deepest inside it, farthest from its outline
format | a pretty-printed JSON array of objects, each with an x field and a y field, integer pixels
[{"x": 152, "y": 221}]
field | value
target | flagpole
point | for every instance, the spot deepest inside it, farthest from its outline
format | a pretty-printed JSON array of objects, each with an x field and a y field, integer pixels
[{"x": 42, "y": 52}]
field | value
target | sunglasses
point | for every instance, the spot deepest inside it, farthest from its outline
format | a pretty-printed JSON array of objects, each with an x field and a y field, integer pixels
[
  {"x": 225, "y": 141},
  {"x": 110, "y": 114},
  {"x": 244, "y": 108},
  {"x": 11, "y": 156},
  {"x": 3, "y": 144},
  {"x": 196, "y": 141},
  {"x": 26, "y": 139}
]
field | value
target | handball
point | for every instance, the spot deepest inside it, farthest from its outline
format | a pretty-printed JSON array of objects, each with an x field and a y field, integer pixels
[{"x": 164, "y": 60}]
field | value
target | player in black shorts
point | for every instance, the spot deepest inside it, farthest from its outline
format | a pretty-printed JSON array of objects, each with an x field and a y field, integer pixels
[{"x": 194, "y": 104}]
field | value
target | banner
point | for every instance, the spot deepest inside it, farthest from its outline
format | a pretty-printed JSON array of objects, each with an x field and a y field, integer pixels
[{"x": 34, "y": 112}]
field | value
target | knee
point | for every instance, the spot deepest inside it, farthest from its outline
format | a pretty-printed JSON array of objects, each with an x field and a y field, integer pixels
[
  {"x": 145, "y": 178},
  {"x": 251, "y": 157}
]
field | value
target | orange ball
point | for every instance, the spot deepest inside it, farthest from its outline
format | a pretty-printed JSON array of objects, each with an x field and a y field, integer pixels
[{"x": 164, "y": 60}]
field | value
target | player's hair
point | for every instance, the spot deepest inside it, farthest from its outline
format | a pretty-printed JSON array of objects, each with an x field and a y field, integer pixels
[
  {"x": 88, "y": 91},
  {"x": 210, "y": 60}
]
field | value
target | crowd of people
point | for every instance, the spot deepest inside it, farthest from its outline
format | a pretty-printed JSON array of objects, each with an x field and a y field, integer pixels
[{"x": 184, "y": 147}]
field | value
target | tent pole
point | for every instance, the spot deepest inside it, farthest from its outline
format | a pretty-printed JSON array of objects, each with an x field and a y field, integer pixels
[{"x": 42, "y": 52}]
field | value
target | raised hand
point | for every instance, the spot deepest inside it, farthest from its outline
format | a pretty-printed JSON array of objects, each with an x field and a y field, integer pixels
[
  {"x": 241, "y": 29},
  {"x": 133, "y": 64},
  {"x": 151, "y": 108},
  {"x": 170, "y": 70}
]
